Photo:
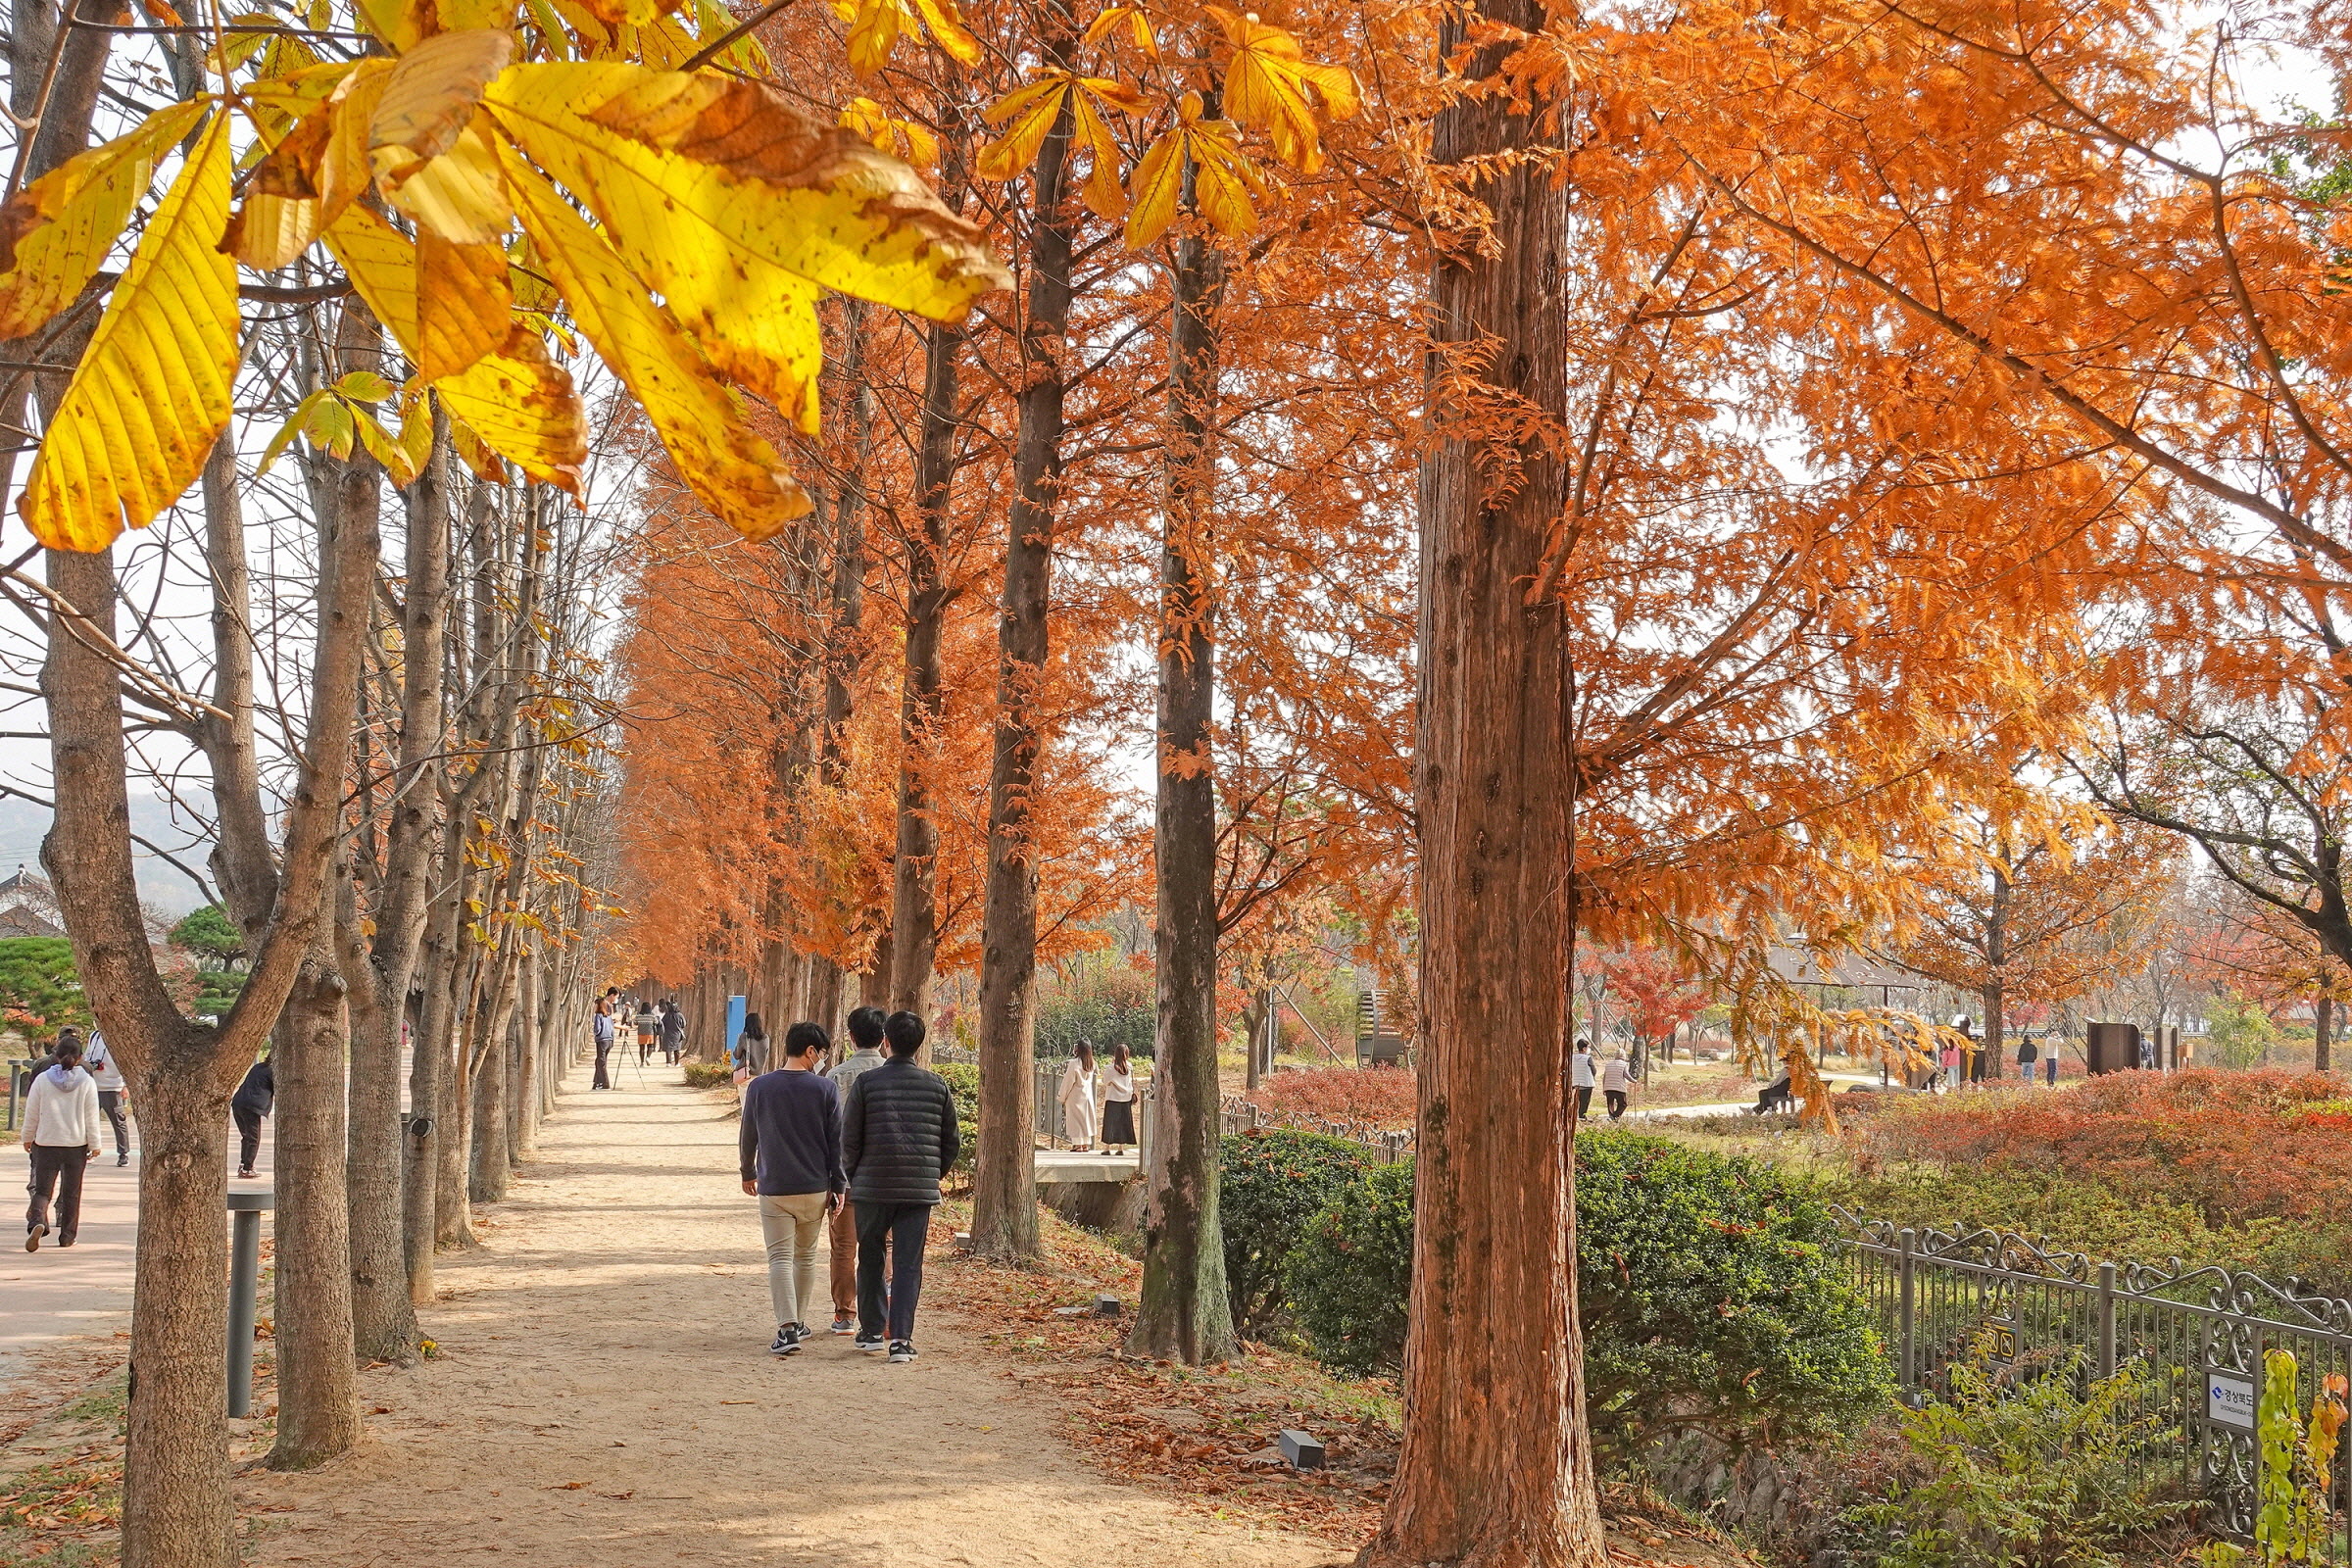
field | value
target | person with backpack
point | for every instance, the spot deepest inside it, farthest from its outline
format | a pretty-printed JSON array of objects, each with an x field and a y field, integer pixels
[
  {"x": 898, "y": 1139},
  {"x": 789, "y": 1145},
  {"x": 604, "y": 1031},
  {"x": 113, "y": 1096},
  {"x": 649, "y": 1029},
  {"x": 247, "y": 1106},
  {"x": 59, "y": 1135}
]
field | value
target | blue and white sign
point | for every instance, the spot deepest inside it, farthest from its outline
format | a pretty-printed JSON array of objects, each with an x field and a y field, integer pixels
[{"x": 2229, "y": 1401}]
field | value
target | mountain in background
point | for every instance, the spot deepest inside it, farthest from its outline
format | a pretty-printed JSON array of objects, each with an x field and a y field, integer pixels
[{"x": 22, "y": 825}]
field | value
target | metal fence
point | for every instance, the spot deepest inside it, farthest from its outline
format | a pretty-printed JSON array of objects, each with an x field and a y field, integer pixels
[{"x": 2200, "y": 1333}]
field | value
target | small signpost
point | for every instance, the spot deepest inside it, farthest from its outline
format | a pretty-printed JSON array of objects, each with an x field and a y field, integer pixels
[{"x": 2229, "y": 1400}]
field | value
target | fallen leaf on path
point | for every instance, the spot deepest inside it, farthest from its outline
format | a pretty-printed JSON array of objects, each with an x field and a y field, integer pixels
[{"x": 565, "y": 1486}]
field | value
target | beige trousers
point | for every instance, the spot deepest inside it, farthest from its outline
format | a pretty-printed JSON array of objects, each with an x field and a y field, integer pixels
[{"x": 793, "y": 1225}]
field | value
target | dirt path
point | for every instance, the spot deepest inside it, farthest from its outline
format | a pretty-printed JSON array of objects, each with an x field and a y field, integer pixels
[{"x": 602, "y": 1396}]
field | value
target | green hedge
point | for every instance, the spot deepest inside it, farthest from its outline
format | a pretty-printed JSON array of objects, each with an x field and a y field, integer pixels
[
  {"x": 707, "y": 1074},
  {"x": 1272, "y": 1184},
  {"x": 963, "y": 1081},
  {"x": 1709, "y": 1295}
]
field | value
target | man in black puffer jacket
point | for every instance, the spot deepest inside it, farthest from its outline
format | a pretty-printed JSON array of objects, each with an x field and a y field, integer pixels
[{"x": 897, "y": 1138}]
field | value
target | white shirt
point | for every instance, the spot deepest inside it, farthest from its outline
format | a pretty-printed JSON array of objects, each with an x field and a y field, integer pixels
[
  {"x": 1077, "y": 1085},
  {"x": 1615, "y": 1075},
  {"x": 1583, "y": 1069},
  {"x": 1117, "y": 1083},
  {"x": 61, "y": 1115},
  {"x": 99, "y": 1063}
]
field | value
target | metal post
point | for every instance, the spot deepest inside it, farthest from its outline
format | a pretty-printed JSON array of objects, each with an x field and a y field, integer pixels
[
  {"x": 1906, "y": 1310},
  {"x": 245, "y": 1211},
  {"x": 2106, "y": 1319}
]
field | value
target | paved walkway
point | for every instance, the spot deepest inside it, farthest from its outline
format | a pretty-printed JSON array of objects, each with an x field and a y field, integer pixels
[
  {"x": 54, "y": 1295},
  {"x": 602, "y": 1397}
]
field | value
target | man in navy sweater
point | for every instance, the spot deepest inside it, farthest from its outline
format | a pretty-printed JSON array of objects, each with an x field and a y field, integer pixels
[{"x": 791, "y": 1148}]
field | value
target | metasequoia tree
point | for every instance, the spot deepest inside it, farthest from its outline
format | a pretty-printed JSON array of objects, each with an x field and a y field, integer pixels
[
  {"x": 2020, "y": 901},
  {"x": 1496, "y": 1466}
]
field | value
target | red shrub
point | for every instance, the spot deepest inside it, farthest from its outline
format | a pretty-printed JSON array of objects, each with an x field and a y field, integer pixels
[
  {"x": 2240, "y": 1146},
  {"x": 1372, "y": 1097}
]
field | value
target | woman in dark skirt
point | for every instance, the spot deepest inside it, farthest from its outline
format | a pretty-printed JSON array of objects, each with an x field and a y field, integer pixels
[{"x": 1118, "y": 1101}]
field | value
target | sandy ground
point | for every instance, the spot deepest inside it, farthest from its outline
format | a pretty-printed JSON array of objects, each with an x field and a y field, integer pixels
[
  {"x": 602, "y": 1395},
  {"x": 50, "y": 1298}
]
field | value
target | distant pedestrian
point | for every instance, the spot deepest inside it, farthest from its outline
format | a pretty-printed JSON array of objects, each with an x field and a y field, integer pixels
[
  {"x": 649, "y": 1029},
  {"x": 1616, "y": 1083},
  {"x": 61, "y": 1139},
  {"x": 1582, "y": 1079},
  {"x": 751, "y": 1050},
  {"x": 604, "y": 1029},
  {"x": 1118, "y": 1099},
  {"x": 791, "y": 1153},
  {"x": 2026, "y": 1056},
  {"x": 113, "y": 1096},
  {"x": 1948, "y": 1064},
  {"x": 1077, "y": 1096},
  {"x": 898, "y": 1139},
  {"x": 247, "y": 1106},
  {"x": 2049, "y": 1064},
  {"x": 673, "y": 1031}
]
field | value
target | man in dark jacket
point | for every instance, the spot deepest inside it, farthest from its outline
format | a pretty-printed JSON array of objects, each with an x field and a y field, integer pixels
[
  {"x": 897, "y": 1138},
  {"x": 247, "y": 1106},
  {"x": 791, "y": 1148}
]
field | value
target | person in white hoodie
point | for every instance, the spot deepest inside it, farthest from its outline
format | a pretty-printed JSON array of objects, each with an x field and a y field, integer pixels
[{"x": 61, "y": 1133}]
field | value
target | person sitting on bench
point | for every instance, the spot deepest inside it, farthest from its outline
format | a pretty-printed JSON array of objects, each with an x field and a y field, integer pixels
[{"x": 1776, "y": 1096}]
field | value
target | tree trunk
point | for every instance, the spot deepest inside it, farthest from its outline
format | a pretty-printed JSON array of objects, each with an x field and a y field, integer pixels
[
  {"x": 317, "y": 1409},
  {"x": 914, "y": 888},
  {"x": 486, "y": 1180},
  {"x": 441, "y": 966},
  {"x": 1997, "y": 1029},
  {"x": 380, "y": 968},
  {"x": 1005, "y": 1179},
  {"x": 1183, "y": 1312},
  {"x": 2322, "y": 1023},
  {"x": 1496, "y": 1466}
]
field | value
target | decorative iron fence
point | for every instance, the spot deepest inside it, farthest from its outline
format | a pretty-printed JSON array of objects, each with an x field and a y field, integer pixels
[{"x": 1946, "y": 1297}]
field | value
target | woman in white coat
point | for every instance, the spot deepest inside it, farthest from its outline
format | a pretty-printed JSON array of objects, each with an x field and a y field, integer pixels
[
  {"x": 60, "y": 1136},
  {"x": 1078, "y": 1099}
]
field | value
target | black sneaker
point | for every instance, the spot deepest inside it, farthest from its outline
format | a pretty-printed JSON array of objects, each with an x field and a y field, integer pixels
[
  {"x": 786, "y": 1343},
  {"x": 901, "y": 1351},
  {"x": 863, "y": 1343}
]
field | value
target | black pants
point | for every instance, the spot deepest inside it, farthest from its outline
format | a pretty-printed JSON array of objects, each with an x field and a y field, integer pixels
[
  {"x": 110, "y": 1101},
  {"x": 57, "y": 1171},
  {"x": 903, "y": 1228},
  {"x": 1616, "y": 1100},
  {"x": 1584, "y": 1101},
  {"x": 249, "y": 1136},
  {"x": 603, "y": 1079}
]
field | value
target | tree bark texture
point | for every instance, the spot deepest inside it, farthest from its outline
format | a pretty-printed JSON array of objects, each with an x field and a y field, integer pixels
[
  {"x": 1183, "y": 1312},
  {"x": 317, "y": 1408},
  {"x": 1496, "y": 1466},
  {"x": 1005, "y": 1178},
  {"x": 2322, "y": 1025}
]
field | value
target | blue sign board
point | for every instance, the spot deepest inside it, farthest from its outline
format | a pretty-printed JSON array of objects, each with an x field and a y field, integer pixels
[{"x": 738, "y": 1008}]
